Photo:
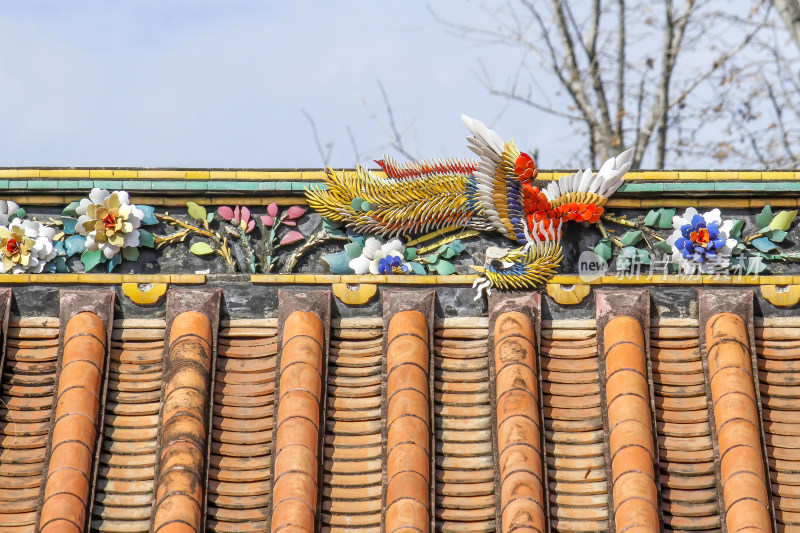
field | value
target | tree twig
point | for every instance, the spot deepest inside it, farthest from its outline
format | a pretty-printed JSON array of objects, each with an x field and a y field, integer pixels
[{"x": 325, "y": 156}]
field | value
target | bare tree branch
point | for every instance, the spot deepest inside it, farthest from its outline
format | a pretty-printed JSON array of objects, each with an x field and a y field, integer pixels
[
  {"x": 597, "y": 82},
  {"x": 574, "y": 84},
  {"x": 790, "y": 13},
  {"x": 325, "y": 156},
  {"x": 396, "y": 138},
  {"x": 670, "y": 91},
  {"x": 674, "y": 30},
  {"x": 784, "y": 137},
  {"x": 621, "y": 36},
  {"x": 353, "y": 143}
]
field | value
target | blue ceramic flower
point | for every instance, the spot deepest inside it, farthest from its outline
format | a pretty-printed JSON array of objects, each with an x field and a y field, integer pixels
[
  {"x": 702, "y": 240},
  {"x": 699, "y": 240},
  {"x": 392, "y": 264}
]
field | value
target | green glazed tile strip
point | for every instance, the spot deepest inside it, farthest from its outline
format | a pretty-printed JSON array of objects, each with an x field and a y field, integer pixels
[
  {"x": 642, "y": 187},
  {"x": 740, "y": 187},
  {"x": 775, "y": 186},
  {"x": 634, "y": 188}
]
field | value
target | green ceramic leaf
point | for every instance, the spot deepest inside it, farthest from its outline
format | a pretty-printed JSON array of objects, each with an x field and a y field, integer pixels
[
  {"x": 663, "y": 246},
  {"x": 665, "y": 217},
  {"x": 149, "y": 217},
  {"x": 445, "y": 268},
  {"x": 763, "y": 244},
  {"x": 754, "y": 266},
  {"x": 783, "y": 220},
  {"x": 366, "y": 206},
  {"x": 643, "y": 255},
  {"x": 201, "y": 248},
  {"x": 61, "y": 265},
  {"x": 777, "y": 235},
  {"x": 90, "y": 259},
  {"x": 652, "y": 218},
  {"x": 21, "y": 213},
  {"x": 448, "y": 253},
  {"x": 146, "y": 239},
  {"x": 418, "y": 268},
  {"x": 130, "y": 253},
  {"x": 69, "y": 211},
  {"x": 356, "y": 237},
  {"x": 333, "y": 228},
  {"x": 432, "y": 259},
  {"x": 113, "y": 262},
  {"x": 457, "y": 246},
  {"x": 329, "y": 224},
  {"x": 353, "y": 250},
  {"x": 736, "y": 230},
  {"x": 441, "y": 249},
  {"x": 74, "y": 245},
  {"x": 69, "y": 225},
  {"x": 765, "y": 217},
  {"x": 410, "y": 254},
  {"x": 603, "y": 249},
  {"x": 631, "y": 238},
  {"x": 196, "y": 211},
  {"x": 338, "y": 262}
]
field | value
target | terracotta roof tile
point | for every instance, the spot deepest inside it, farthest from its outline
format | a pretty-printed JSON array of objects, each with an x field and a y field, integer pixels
[
  {"x": 296, "y": 457},
  {"x": 179, "y": 484},
  {"x": 408, "y": 452},
  {"x": 578, "y": 505},
  {"x": 462, "y": 488},
  {"x": 21, "y": 458}
]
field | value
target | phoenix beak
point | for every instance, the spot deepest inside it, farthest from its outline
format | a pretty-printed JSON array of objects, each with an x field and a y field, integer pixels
[{"x": 478, "y": 269}]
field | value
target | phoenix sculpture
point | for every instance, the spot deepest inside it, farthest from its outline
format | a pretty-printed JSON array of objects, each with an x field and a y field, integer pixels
[{"x": 496, "y": 193}]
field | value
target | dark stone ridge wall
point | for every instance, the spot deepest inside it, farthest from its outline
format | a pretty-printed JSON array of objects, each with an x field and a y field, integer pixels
[{"x": 242, "y": 299}]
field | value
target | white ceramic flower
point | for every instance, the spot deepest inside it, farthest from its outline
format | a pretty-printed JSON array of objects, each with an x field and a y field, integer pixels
[
  {"x": 26, "y": 247},
  {"x": 7, "y": 209},
  {"x": 702, "y": 242},
  {"x": 109, "y": 221},
  {"x": 377, "y": 258}
]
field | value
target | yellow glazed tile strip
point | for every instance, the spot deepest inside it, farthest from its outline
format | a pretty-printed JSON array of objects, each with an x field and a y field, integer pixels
[
  {"x": 180, "y": 201},
  {"x": 104, "y": 279},
  {"x": 318, "y": 174},
  {"x": 467, "y": 279},
  {"x": 352, "y": 279},
  {"x": 257, "y": 200},
  {"x": 722, "y": 203}
]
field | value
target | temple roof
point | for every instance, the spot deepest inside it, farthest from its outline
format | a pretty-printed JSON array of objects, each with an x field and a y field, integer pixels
[{"x": 174, "y": 390}]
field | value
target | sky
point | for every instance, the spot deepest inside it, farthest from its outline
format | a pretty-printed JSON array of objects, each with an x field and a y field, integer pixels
[
  {"x": 203, "y": 83},
  {"x": 231, "y": 83}
]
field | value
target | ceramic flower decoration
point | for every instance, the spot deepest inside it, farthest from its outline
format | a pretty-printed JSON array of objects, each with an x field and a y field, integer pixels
[
  {"x": 26, "y": 247},
  {"x": 393, "y": 264},
  {"x": 109, "y": 221},
  {"x": 702, "y": 242},
  {"x": 8, "y": 211},
  {"x": 377, "y": 258}
]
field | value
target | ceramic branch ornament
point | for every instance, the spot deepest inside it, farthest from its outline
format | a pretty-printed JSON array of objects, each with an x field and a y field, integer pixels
[
  {"x": 370, "y": 255},
  {"x": 274, "y": 237},
  {"x": 495, "y": 193},
  {"x": 235, "y": 234},
  {"x": 702, "y": 242}
]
